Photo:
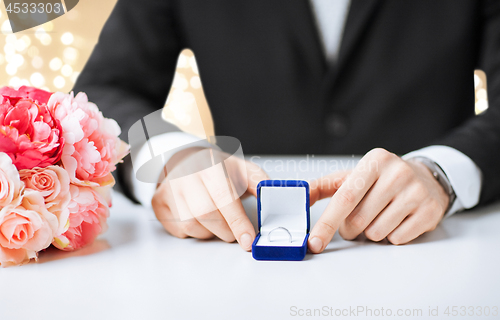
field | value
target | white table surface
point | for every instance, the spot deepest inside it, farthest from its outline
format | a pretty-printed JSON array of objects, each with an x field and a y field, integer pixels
[{"x": 137, "y": 271}]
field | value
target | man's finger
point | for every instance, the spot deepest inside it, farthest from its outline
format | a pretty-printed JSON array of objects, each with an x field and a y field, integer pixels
[
  {"x": 166, "y": 218},
  {"x": 372, "y": 205},
  {"x": 204, "y": 209},
  {"x": 389, "y": 219},
  {"x": 326, "y": 186},
  {"x": 215, "y": 223},
  {"x": 413, "y": 226},
  {"x": 170, "y": 220},
  {"x": 190, "y": 226},
  {"x": 232, "y": 210},
  {"x": 342, "y": 204},
  {"x": 238, "y": 222},
  {"x": 254, "y": 175}
]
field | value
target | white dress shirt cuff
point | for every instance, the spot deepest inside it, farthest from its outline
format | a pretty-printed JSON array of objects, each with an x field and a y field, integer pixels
[
  {"x": 163, "y": 144},
  {"x": 464, "y": 175}
]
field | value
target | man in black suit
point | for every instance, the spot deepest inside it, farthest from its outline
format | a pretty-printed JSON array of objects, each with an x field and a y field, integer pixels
[{"x": 278, "y": 78}]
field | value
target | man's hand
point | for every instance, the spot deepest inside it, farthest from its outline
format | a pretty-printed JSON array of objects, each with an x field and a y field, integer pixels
[
  {"x": 201, "y": 203},
  {"x": 383, "y": 196}
]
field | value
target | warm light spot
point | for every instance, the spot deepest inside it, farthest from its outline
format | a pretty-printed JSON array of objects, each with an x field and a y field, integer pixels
[
  {"x": 20, "y": 45},
  {"x": 37, "y": 62},
  {"x": 9, "y": 49},
  {"x": 45, "y": 39},
  {"x": 26, "y": 40},
  {"x": 39, "y": 32},
  {"x": 11, "y": 38},
  {"x": 11, "y": 69},
  {"x": 66, "y": 70},
  {"x": 481, "y": 94},
  {"x": 17, "y": 60},
  {"x": 67, "y": 38},
  {"x": 184, "y": 119},
  {"x": 194, "y": 65},
  {"x": 180, "y": 82},
  {"x": 70, "y": 54},
  {"x": 6, "y": 28},
  {"x": 481, "y": 91},
  {"x": 182, "y": 62},
  {"x": 55, "y": 64},
  {"x": 195, "y": 82},
  {"x": 15, "y": 82},
  {"x": 33, "y": 51},
  {"x": 37, "y": 79},
  {"x": 481, "y": 105},
  {"x": 59, "y": 82},
  {"x": 48, "y": 26}
]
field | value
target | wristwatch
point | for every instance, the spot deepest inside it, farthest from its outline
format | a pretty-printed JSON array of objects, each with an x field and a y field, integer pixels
[{"x": 440, "y": 176}]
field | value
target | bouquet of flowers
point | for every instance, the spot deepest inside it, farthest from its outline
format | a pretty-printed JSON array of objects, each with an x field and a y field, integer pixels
[{"x": 57, "y": 152}]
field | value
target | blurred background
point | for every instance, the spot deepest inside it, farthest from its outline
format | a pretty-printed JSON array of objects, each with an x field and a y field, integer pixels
[{"x": 52, "y": 55}]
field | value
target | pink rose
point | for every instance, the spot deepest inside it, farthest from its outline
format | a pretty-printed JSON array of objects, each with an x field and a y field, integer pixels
[
  {"x": 25, "y": 229},
  {"x": 87, "y": 219},
  {"x": 10, "y": 184},
  {"x": 92, "y": 147},
  {"x": 29, "y": 133},
  {"x": 52, "y": 183}
]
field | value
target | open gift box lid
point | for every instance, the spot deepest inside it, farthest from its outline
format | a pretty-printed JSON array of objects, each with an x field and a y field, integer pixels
[{"x": 283, "y": 220}]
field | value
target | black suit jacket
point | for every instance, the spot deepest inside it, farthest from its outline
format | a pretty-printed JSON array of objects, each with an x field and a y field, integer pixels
[{"x": 403, "y": 80}]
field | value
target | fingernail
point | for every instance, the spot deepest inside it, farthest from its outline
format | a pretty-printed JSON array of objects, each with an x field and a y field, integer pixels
[
  {"x": 315, "y": 244},
  {"x": 246, "y": 241}
]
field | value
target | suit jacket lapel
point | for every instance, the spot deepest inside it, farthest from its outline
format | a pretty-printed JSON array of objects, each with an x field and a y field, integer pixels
[
  {"x": 302, "y": 24},
  {"x": 306, "y": 39},
  {"x": 358, "y": 20}
]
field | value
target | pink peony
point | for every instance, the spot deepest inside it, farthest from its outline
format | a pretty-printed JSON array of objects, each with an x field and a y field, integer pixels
[
  {"x": 29, "y": 133},
  {"x": 32, "y": 93},
  {"x": 10, "y": 184},
  {"x": 88, "y": 212},
  {"x": 52, "y": 183},
  {"x": 25, "y": 229},
  {"x": 92, "y": 147}
]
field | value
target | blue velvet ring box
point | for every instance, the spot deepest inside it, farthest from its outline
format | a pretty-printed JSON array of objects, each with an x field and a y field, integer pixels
[{"x": 282, "y": 204}]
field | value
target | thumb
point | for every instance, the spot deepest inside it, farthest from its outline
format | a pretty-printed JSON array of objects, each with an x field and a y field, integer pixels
[{"x": 325, "y": 187}]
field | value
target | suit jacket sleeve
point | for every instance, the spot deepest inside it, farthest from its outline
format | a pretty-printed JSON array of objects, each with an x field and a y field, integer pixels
[
  {"x": 479, "y": 138},
  {"x": 131, "y": 69}
]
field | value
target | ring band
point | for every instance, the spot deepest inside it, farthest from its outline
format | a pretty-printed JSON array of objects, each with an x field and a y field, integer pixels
[{"x": 282, "y": 228}]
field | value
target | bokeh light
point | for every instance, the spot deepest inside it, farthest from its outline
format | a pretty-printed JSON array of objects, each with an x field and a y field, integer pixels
[
  {"x": 70, "y": 54},
  {"x": 51, "y": 55},
  {"x": 45, "y": 39},
  {"x": 67, "y": 38},
  {"x": 37, "y": 79},
  {"x": 11, "y": 69},
  {"x": 37, "y": 62},
  {"x": 59, "y": 82},
  {"x": 55, "y": 64},
  {"x": 195, "y": 82},
  {"x": 66, "y": 70}
]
